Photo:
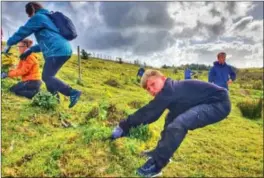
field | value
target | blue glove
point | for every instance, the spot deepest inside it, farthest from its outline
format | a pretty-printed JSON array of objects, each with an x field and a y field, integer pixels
[
  {"x": 6, "y": 49},
  {"x": 4, "y": 75},
  {"x": 117, "y": 132},
  {"x": 25, "y": 54}
]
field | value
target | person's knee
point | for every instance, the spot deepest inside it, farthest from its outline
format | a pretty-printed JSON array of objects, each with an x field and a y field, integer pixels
[
  {"x": 45, "y": 77},
  {"x": 13, "y": 89},
  {"x": 177, "y": 125}
]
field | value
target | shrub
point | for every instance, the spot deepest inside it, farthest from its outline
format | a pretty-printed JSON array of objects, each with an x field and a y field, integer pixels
[
  {"x": 136, "y": 104},
  {"x": 113, "y": 83},
  {"x": 141, "y": 132},
  {"x": 175, "y": 71},
  {"x": 45, "y": 100},
  {"x": 258, "y": 85},
  {"x": 96, "y": 132},
  {"x": 251, "y": 108}
]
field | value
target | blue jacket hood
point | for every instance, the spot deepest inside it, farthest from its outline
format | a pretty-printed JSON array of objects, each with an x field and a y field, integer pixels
[{"x": 216, "y": 64}]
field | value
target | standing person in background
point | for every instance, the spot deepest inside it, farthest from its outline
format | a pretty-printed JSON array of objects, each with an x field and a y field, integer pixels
[
  {"x": 55, "y": 48},
  {"x": 221, "y": 73},
  {"x": 188, "y": 73},
  {"x": 28, "y": 69},
  {"x": 140, "y": 73}
]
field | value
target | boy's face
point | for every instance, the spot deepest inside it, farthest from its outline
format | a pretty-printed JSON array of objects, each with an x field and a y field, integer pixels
[
  {"x": 221, "y": 59},
  {"x": 155, "y": 84}
]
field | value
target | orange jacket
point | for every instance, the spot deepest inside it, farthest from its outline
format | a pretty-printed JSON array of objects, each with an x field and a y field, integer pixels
[{"x": 28, "y": 69}]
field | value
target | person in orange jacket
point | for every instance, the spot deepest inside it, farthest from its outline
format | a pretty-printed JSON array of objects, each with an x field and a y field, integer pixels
[{"x": 28, "y": 69}]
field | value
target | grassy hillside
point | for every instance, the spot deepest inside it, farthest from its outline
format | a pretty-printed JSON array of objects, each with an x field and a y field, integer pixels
[{"x": 36, "y": 143}]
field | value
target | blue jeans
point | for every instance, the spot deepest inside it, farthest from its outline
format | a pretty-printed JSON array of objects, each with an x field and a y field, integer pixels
[
  {"x": 175, "y": 129},
  {"x": 51, "y": 67},
  {"x": 27, "y": 89}
]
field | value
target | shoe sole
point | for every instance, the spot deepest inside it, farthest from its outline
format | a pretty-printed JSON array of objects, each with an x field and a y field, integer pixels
[
  {"x": 77, "y": 99},
  {"x": 157, "y": 175}
]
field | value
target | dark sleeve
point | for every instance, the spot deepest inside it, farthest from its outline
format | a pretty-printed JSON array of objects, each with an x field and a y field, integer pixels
[
  {"x": 232, "y": 73},
  {"x": 211, "y": 75},
  {"x": 146, "y": 115}
]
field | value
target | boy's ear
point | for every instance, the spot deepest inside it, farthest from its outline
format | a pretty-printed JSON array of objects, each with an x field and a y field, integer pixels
[{"x": 163, "y": 78}]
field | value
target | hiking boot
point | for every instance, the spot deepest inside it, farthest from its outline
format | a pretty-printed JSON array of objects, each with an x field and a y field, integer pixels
[
  {"x": 149, "y": 153},
  {"x": 74, "y": 97},
  {"x": 149, "y": 169}
]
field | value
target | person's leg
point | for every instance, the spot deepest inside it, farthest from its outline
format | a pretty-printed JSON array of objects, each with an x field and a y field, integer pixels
[
  {"x": 54, "y": 85},
  {"x": 16, "y": 87},
  {"x": 168, "y": 120},
  {"x": 51, "y": 67},
  {"x": 196, "y": 117},
  {"x": 29, "y": 89}
]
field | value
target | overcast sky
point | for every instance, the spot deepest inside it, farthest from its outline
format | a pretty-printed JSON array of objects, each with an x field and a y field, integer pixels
[{"x": 158, "y": 33}]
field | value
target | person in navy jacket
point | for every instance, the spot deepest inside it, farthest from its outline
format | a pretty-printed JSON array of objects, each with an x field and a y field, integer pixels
[
  {"x": 221, "y": 73},
  {"x": 140, "y": 72},
  {"x": 192, "y": 104}
]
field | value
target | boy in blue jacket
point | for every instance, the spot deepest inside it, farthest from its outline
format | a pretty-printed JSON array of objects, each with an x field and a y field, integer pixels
[
  {"x": 192, "y": 104},
  {"x": 140, "y": 72},
  {"x": 221, "y": 74},
  {"x": 56, "y": 49},
  {"x": 188, "y": 73}
]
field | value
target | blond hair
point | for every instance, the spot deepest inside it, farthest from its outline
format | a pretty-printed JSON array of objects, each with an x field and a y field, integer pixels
[{"x": 149, "y": 73}]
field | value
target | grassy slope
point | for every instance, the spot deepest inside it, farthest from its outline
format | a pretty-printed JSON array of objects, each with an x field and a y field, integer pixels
[{"x": 34, "y": 143}]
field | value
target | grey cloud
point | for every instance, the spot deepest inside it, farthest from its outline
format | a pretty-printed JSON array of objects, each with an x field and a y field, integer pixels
[
  {"x": 130, "y": 14},
  {"x": 241, "y": 25},
  {"x": 231, "y": 5},
  {"x": 214, "y": 12},
  {"x": 108, "y": 40},
  {"x": 257, "y": 11},
  {"x": 153, "y": 42}
]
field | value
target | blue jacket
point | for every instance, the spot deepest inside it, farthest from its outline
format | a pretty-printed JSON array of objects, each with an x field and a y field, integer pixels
[
  {"x": 187, "y": 74},
  {"x": 177, "y": 97},
  {"x": 50, "y": 42},
  {"x": 140, "y": 72},
  {"x": 219, "y": 74}
]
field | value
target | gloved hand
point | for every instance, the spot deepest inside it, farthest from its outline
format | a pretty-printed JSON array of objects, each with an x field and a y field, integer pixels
[
  {"x": 6, "y": 49},
  {"x": 117, "y": 132},
  {"x": 4, "y": 75},
  {"x": 25, "y": 54}
]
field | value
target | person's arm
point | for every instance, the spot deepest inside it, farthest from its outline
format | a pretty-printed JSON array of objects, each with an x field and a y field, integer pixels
[
  {"x": 232, "y": 73},
  {"x": 33, "y": 24},
  {"x": 35, "y": 49},
  {"x": 23, "y": 69},
  {"x": 211, "y": 75},
  {"x": 145, "y": 115}
]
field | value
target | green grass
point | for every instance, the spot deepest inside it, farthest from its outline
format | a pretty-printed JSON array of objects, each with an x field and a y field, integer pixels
[{"x": 35, "y": 143}]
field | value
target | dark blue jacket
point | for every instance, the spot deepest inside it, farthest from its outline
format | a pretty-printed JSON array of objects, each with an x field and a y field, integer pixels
[
  {"x": 50, "y": 42},
  {"x": 219, "y": 74},
  {"x": 187, "y": 74},
  {"x": 140, "y": 72},
  {"x": 177, "y": 96}
]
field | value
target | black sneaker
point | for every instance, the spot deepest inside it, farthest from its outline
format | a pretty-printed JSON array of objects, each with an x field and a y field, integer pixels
[
  {"x": 148, "y": 154},
  {"x": 149, "y": 169}
]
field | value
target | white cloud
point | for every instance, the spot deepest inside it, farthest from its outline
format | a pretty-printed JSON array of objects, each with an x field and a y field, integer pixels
[{"x": 198, "y": 32}]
